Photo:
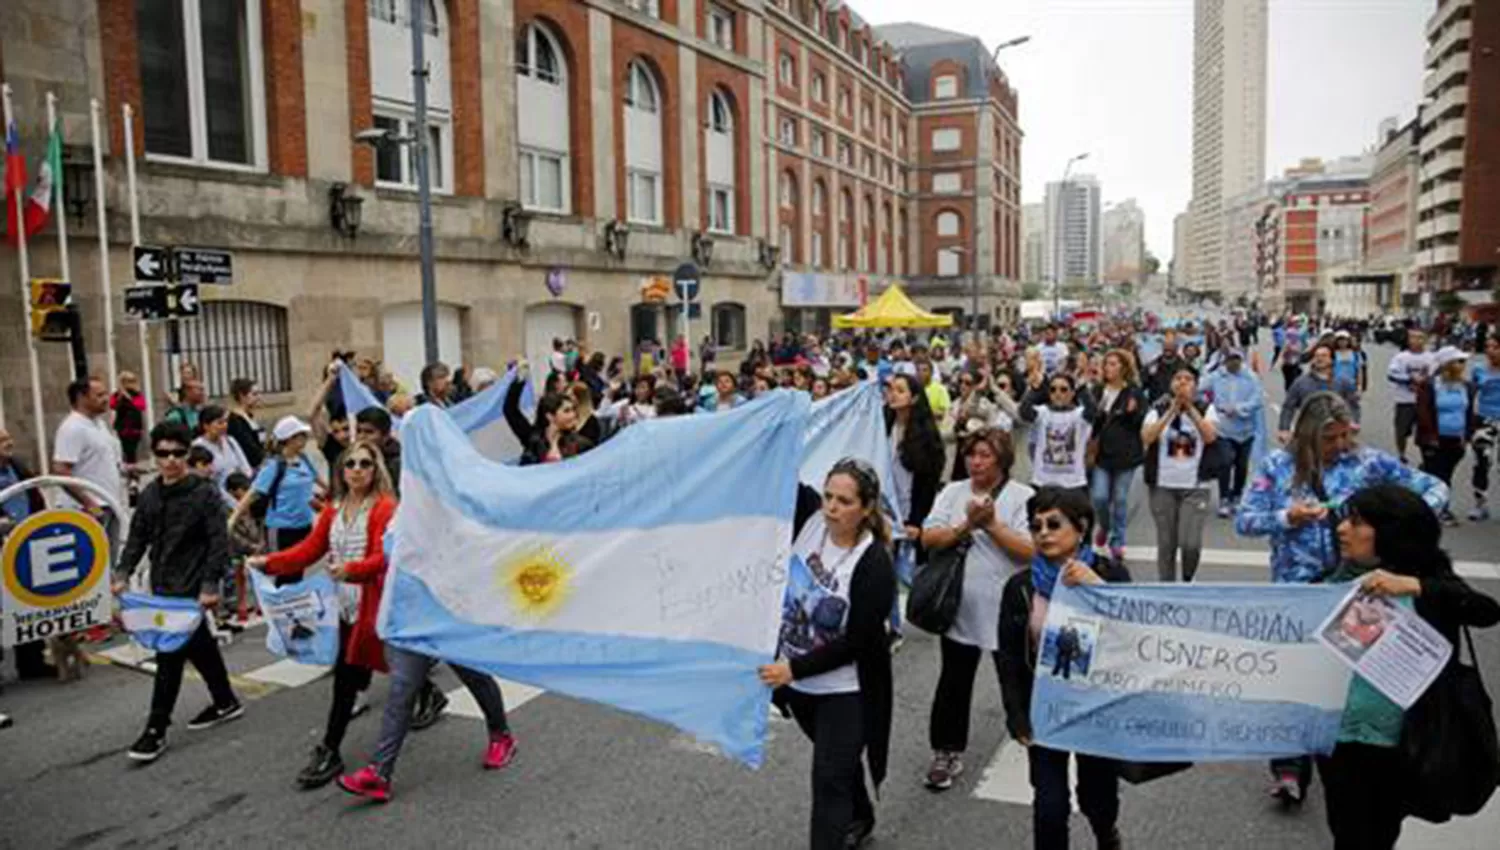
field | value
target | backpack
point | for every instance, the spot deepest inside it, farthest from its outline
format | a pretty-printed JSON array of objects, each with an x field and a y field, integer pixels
[{"x": 260, "y": 507}]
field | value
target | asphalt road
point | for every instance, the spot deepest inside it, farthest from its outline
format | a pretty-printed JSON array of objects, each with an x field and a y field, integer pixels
[{"x": 591, "y": 777}]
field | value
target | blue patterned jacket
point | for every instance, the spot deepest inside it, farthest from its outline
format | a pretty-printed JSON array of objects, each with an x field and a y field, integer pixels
[{"x": 1302, "y": 555}]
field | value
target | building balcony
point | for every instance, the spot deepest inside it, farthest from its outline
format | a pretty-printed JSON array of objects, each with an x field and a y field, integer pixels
[
  {"x": 1447, "y": 133},
  {"x": 1454, "y": 98},
  {"x": 1446, "y": 70},
  {"x": 1448, "y": 162},
  {"x": 934, "y": 286},
  {"x": 1460, "y": 31},
  {"x": 1441, "y": 195},
  {"x": 1442, "y": 225},
  {"x": 1442, "y": 255},
  {"x": 1444, "y": 14}
]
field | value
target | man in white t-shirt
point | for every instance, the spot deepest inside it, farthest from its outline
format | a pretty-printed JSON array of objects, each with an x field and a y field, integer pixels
[
  {"x": 1407, "y": 370},
  {"x": 1054, "y": 354},
  {"x": 86, "y": 448}
]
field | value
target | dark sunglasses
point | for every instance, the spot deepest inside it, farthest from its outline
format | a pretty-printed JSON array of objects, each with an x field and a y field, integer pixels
[
  {"x": 175, "y": 454},
  {"x": 1051, "y": 523},
  {"x": 1061, "y": 388},
  {"x": 359, "y": 463}
]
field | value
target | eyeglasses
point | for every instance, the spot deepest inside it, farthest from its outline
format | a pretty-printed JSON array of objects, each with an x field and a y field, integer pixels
[
  {"x": 359, "y": 463},
  {"x": 1051, "y": 523},
  {"x": 1061, "y": 389},
  {"x": 174, "y": 454}
]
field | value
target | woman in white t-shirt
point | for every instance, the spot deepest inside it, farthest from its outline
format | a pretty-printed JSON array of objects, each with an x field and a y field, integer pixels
[
  {"x": 1060, "y": 434},
  {"x": 1176, "y": 432},
  {"x": 988, "y": 510}
]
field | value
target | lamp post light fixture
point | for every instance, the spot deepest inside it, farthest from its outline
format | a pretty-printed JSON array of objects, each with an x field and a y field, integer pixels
[
  {"x": 616, "y": 238},
  {"x": 78, "y": 182},
  {"x": 515, "y": 225},
  {"x": 1062, "y": 200},
  {"x": 769, "y": 255},
  {"x": 702, "y": 249},
  {"x": 1015, "y": 42},
  {"x": 344, "y": 210}
]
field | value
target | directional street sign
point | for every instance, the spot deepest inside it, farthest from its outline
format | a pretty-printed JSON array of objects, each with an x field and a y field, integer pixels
[
  {"x": 182, "y": 301},
  {"x": 204, "y": 265},
  {"x": 685, "y": 282},
  {"x": 160, "y": 302},
  {"x": 151, "y": 264}
]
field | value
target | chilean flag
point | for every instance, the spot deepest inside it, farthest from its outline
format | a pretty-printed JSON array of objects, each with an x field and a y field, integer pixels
[{"x": 38, "y": 205}]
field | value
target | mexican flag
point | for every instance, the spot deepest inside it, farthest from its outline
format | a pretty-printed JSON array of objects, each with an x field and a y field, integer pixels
[{"x": 37, "y": 206}]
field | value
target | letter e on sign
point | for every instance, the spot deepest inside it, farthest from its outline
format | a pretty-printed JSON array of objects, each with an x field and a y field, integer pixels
[{"x": 53, "y": 560}]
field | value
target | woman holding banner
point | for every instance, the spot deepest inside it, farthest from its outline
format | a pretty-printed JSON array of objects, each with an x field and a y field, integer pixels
[
  {"x": 349, "y": 537},
  {"x": 987, "y": 513},
  {"x": 1061, "y": 521},
  {"x": 834, "y": 675},
  {"x": 1388, "y": 540}
]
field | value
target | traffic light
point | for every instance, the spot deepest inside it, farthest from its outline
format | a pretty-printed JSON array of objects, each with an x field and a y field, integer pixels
[{"x": 50, "y": 299}]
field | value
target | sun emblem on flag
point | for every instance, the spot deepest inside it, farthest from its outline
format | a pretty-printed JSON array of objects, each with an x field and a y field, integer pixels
[
  {"x": 160, "y": 620},
  {"x": 537, "y": 580}
]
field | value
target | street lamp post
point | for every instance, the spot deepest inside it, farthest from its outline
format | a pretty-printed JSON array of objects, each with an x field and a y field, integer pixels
[
  {"x": 1062, "y": 198},
  {"x": 978, "y": 221},
  {"x": 424, "y": 183}
]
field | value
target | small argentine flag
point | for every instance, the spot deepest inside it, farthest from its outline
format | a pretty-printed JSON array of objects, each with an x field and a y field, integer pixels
[{"x": 159, "y": 623}]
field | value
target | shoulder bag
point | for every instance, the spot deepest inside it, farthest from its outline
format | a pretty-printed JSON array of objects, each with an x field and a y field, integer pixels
[
  {"x": 1449, "y": 750},
  {"x": 937, "y": 588}
]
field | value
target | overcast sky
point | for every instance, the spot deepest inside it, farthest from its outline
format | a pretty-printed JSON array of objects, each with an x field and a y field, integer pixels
[{"x": 1115, "y": 78}]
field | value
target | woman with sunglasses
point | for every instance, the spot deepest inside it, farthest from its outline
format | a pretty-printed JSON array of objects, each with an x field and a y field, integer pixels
[
  {"x": 1061, "y": 521},
  {"x": 1177, "y": 433},
  {"x": 1059, "y": 440},
  {"x": 1120, "y": 409},
  {"x": 988, "y": 511},
  {"x": 1389, "y": 542},
  {"x": 349, "y": 540},
  {"x": 834, "y": 669}
]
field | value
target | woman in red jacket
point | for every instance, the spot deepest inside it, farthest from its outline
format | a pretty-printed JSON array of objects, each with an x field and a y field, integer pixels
[{"x": 348, "y": 540}]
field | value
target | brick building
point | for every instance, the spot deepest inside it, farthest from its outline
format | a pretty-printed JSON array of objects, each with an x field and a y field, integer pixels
[{"x": 581, "y": 151}]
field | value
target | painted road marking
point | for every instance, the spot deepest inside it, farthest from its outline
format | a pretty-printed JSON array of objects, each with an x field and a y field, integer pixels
[
  {"x": 461, "y": 703},
  {"x": 1262, "y": 558},
  {"x": 1007, "y": 778}
]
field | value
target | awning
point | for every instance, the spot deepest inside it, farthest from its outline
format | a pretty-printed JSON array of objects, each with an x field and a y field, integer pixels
[{"x": 892, "y": 310}]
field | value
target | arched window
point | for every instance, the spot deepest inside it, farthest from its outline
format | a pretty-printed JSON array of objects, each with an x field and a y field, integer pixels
[
  {"x": 643, "y": 147},
  {"x": 719, "y": 158},
  {"x": 791, "y": 218},
  {"x": 819, "y": 224},
  {"x": 947, "y": 223},
  {"x": 392, "y": 100},
  {"x": 543, "y": 137},
  {"x": 787, "y": 190},
  {"x": 846, "y": 229},
  {"x": 869, "y": 233},
  {"x": 886, "y": 237}
]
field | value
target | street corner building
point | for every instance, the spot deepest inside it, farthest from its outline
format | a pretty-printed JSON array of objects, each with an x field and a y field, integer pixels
[{"x": 580, "y": 151}]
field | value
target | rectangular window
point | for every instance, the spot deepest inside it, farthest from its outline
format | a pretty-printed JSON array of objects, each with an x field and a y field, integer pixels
[
  {"x": 869, "y": 164},
  {"x": 396, "y": 161},
  {"x": 788, "y": 70},
  {"x": 544, "y": 180},
  {"x": 945, "y": 86},
  {"x": 644, "y": 190},
  {"x": 945, "y": 139},
  {"x": 885, "y": 127},
  {"x": 846, "y": 105},
  {"x": 201, "y": 81},
  {"x": 947, "y": 183},
  {"x": 238, "y": 339},
  {"x": 786, "y": 245},
  {"x": 846, "y": 153},
  {"x": 947, "y": 262},
  {"x": 867, "y": 116},
  {"x": 788, "y": 131},
  {"x": 721, "y": 27},
  {"x": 721, "y": 209},
  {"x": 819, "y": 143},
  {"x": 819, "y": 88},
  {"x": 817, "y": 249}
]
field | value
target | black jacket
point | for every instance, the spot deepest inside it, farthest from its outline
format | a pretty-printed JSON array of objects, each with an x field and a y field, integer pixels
[
  {"x": 1158, "y": 381},
  {"x": 184, "y": 528},
  {"x": 244, "y": 433},
  {"x": 1448, "y": 603},
  {"x": 872, "y": 592},
  {"x": 1118, "y": 429},
  {"x": 1016, "y": 660},
  {"x": 924, "y": 484},
  {"x": 533, "y": 440}
]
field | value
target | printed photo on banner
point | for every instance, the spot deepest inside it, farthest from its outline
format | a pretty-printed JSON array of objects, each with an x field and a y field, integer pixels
[
  {"x": 1068, "y": 648},
  {"x": 1385, "y": 643}
]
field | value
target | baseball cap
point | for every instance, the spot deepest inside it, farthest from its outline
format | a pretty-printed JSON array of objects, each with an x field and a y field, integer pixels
[
  {"x": 1447, "y": 354},
  {"x": 1234, "y": 353},
  {"x": 288, "y": 427}
]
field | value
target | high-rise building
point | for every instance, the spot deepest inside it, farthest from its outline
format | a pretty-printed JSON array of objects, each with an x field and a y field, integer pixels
[
  {"x": 1392, "y": 230},
  {"x": 1182, "y": 250},
  {"x": 1034, "y": 243},
  {"x": 1075, "y": 242},
  {"x": 1229, "y": 123},
  {"x": 1124, "y": 243},
  {"x": 1458, "y": 229}
]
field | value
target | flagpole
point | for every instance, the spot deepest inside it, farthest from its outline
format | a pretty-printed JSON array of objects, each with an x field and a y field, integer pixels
[
  {"x": 44, "y": 457},
  {"x": 57, "y": 195},
  {"x": 135, "y": 239},
  {"x": 103, "y": 226}
]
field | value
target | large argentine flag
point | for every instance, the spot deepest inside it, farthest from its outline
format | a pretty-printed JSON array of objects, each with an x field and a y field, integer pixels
[
  {"x": 646, "y": 574},
  {"x": 849, "y": 423},
  {"x": 481, "y": 416},
  {"x": 159, "y": 623},
  {"x": 1189, "y": 672}
]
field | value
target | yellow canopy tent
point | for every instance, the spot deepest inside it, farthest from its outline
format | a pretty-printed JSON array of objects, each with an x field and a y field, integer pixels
[{"x": 892, "y": 310}]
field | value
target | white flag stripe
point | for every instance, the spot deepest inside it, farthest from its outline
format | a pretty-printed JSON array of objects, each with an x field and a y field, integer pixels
[{"x": 157, "y": 620}]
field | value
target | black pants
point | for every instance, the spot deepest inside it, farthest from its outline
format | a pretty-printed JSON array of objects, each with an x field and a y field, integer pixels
[
  {"x": 30, "y": 663},
  {"x": 1440, "y": 460},
  {"x": 1232, "y": 477},
  {"x": 1364, "y": 804},
  {"x": 203, "y": 651},
  {"x": 948, "y": 726},
  {"x": 348, "y": 681},
  {"x": 1290, "y": 372},
  {"x": 1052, "y": 805},
  {"x": 840, "y": 800}
]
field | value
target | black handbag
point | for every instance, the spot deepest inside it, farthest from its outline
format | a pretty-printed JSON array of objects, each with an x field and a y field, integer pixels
[
  {"x": 1448, "y": 746},
  {"x": 937, "y": 588}
]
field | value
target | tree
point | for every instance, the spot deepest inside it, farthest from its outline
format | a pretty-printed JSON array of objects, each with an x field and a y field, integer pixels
[
  {"x": 1447, "y": 301},
  {"x": 1031, "y": 291},
  {"x": 1151, "y": 265}
]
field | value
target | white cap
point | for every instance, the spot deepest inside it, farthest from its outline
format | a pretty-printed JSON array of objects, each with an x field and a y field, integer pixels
[
  {"x": 288, "y": 427},
  {"x": 1448, "y": 354}
]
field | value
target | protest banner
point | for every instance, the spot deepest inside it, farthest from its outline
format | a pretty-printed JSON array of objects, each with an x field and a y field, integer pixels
[{"x": 1189, "y": 672}]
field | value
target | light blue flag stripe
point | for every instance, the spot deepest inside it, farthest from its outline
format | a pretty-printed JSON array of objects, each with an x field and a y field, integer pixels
[
  {"x": 850, "y": 423},
  {"x": 161, "y": 639},
  {"x": 357, "y": 396},
  {"x": 653, "y": 473}
]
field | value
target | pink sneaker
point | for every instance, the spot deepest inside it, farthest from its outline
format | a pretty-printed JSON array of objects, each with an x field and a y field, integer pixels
[
  {"x": 366, "y": 783},
  {"x": 500, "y": 752}
]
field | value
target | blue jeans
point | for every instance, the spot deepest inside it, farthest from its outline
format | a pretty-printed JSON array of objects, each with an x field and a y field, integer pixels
[
  {"x": 906, "y": 564},
  {"x": 1110, "y": 491},
  {"x": 409, "y": 671}
]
